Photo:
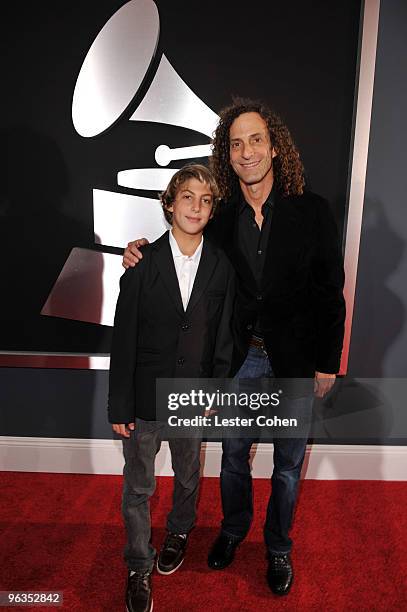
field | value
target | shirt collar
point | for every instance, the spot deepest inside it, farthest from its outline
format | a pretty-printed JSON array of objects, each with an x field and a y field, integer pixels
[
  {"x": 176, "y": 250},
  {"x": 268, "y": 204}
]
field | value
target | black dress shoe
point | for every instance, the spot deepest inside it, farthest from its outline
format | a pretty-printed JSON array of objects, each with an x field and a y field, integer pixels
[
  {"x": 139, "y": 594},
  {"x": 222, "y": 552},
  {"x": 172, "y": 553},
  {"x": 280, "y": 574}
]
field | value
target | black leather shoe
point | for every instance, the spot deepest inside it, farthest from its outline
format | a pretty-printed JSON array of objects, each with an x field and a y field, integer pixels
[
  {"x": 139, "y": 594},
  {"x": 280, "y": 574},
  {"x": 222, "y": 552},
  {"x": 172, "y": 553}
]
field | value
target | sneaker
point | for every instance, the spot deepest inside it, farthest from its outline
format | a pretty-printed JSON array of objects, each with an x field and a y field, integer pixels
[
  {"x": 172, "y": 553},
  {"x": 139, "y": 594}
]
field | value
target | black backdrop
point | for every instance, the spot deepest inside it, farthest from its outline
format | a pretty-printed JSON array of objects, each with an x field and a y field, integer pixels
[{"x": 300, "y": 56}]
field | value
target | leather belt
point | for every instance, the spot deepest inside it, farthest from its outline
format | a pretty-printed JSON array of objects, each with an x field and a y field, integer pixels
[{"x": 258, "y": 343}]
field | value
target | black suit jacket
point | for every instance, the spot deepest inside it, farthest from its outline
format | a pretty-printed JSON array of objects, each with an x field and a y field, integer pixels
[
  {"x": 153, "y": 337},
  {"x": 300, "y": 302}
]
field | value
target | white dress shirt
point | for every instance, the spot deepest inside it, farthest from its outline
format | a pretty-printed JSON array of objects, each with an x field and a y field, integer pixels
[{"x": 186, "y": 268}]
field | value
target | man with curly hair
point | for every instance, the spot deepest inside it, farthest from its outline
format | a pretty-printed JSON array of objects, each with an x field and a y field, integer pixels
[{"x": 289, "y": 313}]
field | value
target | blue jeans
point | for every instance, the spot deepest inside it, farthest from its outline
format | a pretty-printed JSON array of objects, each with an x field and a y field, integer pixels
[{"x": 236, "y": 480}]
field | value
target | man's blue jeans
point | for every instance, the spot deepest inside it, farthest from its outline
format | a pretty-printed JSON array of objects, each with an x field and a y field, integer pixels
[{"x": 236, "y": 480}]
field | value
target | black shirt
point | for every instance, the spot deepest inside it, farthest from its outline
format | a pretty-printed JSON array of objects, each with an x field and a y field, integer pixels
[{"x": 252, "y": 240}]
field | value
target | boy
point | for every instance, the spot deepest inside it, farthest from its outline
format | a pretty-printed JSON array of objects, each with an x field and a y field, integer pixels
[{"x": 172, "y": 320}]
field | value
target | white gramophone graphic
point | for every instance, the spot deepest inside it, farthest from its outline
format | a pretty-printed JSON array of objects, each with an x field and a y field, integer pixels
[{"x": 111, "y": 75}]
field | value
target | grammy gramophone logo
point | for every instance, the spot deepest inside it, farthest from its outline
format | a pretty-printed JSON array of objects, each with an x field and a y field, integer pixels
[{"x": 114, "y": 70}]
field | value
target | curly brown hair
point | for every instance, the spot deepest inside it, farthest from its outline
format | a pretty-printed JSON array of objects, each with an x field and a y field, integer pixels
[
  {"x": 187, "y": 172},
  {"x": 288, "y": 169}
]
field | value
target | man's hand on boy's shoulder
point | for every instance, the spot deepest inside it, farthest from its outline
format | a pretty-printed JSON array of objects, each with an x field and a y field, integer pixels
[
  {"x": 123, "y": 429},
  {"x": 132, "y": 254}
]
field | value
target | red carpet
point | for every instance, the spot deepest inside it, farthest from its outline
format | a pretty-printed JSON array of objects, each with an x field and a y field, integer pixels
[{"x": 64, "y": 532}]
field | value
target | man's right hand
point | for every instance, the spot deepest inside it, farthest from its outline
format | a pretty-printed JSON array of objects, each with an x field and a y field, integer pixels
[{"x": 132, "y": 255}]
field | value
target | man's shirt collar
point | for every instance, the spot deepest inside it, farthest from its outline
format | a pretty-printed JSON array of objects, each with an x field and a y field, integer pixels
[{"x": 268, "y": 204}]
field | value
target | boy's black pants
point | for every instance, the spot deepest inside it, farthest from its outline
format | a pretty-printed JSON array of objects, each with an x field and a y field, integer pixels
[{"x": 139, "y": 485}]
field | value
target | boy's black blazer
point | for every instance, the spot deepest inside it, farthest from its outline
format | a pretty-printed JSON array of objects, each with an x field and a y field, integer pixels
[{"x": 154, "y": 337}]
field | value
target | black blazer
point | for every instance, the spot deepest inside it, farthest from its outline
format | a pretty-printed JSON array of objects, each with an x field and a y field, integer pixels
[
  {"x": 153, "y": 337},
  {"x": 300, "y": 302}
]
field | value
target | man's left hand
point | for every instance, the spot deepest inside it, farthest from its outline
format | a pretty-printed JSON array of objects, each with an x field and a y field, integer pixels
[{"x": 323, "y": 383}]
